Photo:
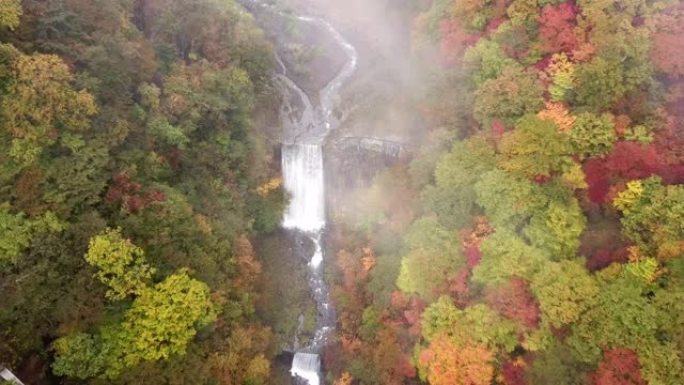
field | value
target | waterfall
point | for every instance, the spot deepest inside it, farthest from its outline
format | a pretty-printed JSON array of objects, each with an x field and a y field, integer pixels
[
  {"x": 305, "y": 128},
  {"x": 303, "y": 176}
]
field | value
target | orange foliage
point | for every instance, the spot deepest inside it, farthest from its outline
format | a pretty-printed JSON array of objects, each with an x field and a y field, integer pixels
[
  {"x": 345, "y": 379},
  {"x": 447, "y": 364},
  {"x": 559, "y": 114}
]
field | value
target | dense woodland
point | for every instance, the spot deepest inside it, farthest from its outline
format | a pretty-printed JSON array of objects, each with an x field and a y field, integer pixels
[
  {"x": 535, "y": 237},
  {"x": 131, "y": 182}
]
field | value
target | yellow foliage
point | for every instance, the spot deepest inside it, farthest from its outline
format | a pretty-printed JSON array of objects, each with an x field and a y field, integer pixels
[
  {"x": 574, "y": 177},
  {"x": 269, "y": 186},
  {"x": 626, "y": 199}
]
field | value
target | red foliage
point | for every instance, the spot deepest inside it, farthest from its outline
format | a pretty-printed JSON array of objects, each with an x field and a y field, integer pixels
[
  {"x": 556, "y": 27},
  {"x": 514, "y": 300},
  {"x": 597, "y": 179},
  {"x": 513, "y": 372},
  {"x": 668, "y": 46},
  {"x": 498, "y": 129},
  {"x": 473, "y": 256},
  {"x": 124, "y": 191},
  {"x": 669, "y": 144},
  {"x": 458, "y": 287},
  {"x": 619, "y": 367},
  {"x": 604, "y": 257},
  {"x": 632, "y": 160},
  {"x": 453, "y": 42}
]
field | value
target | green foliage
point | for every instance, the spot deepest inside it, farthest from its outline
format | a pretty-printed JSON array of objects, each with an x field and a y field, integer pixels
[
  {"x": 534, "y": 148},
  {"x": 121, "y": 265},
  {"x": 504, "y": 256},
  {"x": 626, "y": 316},
  {"x": 452, "y": 198},
  {"x": 38, "y": 102},
  {"x": 515, "y": 93},
  {"x": 161, "y": 322},
  {"x": 565, "y": 291},
  {"x": 592, "y": 135},
  {"x": 10, "y": 12},
  {"x": 556, "y": 365},
  {"x": 17, "y": 232},
  {"x": 652, "y": 216},
  {"x": 477, "y": 323},
  {"x": 507, "y": 200},
  {"x": 432, "y": 256},
  {"x": 486, "y": 60},
  {"x": 557, "y": 229}
]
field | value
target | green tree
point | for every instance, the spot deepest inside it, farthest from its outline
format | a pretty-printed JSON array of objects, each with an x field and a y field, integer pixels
[
  {"x": 515, "y": 93},
  {"x": 10, "y": 12},
  {"x": 161, "y": 322},
  {"x": 504, "y": 256},
  {"x": 121, "y": 265},
  {"x": 477, "y": 323},
  {"x": 38, "y": 102},
  {"x": 592, "y": 135},
  {"x": 486, "y": 60},
  {"x": 432, "y": 256},
  {"x": 557, "y": 229},
  {"x": 507, "y": 200},
  {"x": 534, "y": 148},
  {"x": 565, "y": 291}
]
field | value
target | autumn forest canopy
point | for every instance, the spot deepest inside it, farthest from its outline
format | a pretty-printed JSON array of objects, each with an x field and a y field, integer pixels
[{"x": 533, "y": 233}]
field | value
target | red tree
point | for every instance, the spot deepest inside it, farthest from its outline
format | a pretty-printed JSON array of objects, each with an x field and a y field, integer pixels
[
  {"x": 619, "y": 367},
  {"x": 557, "y": 27},
  {"x": 668, "y": 45},
  {"x": 514, "y": 300}
]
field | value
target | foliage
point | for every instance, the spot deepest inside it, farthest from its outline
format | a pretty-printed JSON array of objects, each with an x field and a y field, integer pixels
[
  {"x": 444, "y": 363},
  {"x": 514, "y": 93},
  {"x": 534, "y": 148},
  {"x": 431, "y": 257},
  {"x": 121, "y": 265},
  {"x": 565, "y": 291},
  {"x": 592, "y": 135},
  {"x": 10, "y": 12}
]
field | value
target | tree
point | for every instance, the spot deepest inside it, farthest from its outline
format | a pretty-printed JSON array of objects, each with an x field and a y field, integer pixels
[
  {"x": 161, "y": 322},
  {"x": 17, "y": 232},
  {"x": 505, "y": 256},
  {"x": 486, "y": 60},
  {"x": 652, "y": 214},
  {"x": 39, "y": 103},
  {"x": 477, "y": 323},
  {"x": 513, "y": 94},
  {"x": 10, "y": 12},
  {"x": 515, "y": 301},
  {"x": 121, "y": 265},
  {"x": 619, "y": 367},
  {"x": 565, "y": 290},
  {"x": 557, "y": 27},
  {"x": 508, "y": 200},
  {"x": 432, "y": 256},
  {"x": 452, "y": 198},
  {"x": 557, "y": 229},
  {"x": 668, "y": 49},
  {"x": 444, "y": 363},
  {"x": 534, "y": 148},
  {"x": 592, "y": 135}
]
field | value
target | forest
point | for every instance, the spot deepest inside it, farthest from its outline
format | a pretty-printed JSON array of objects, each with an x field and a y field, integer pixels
[{"x": 533, "y": 235}]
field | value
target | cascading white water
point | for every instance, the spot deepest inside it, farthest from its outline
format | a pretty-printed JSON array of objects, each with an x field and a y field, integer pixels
[
  {"x": 304, "y": 131},
  {"x": 303, "y": 176}
]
